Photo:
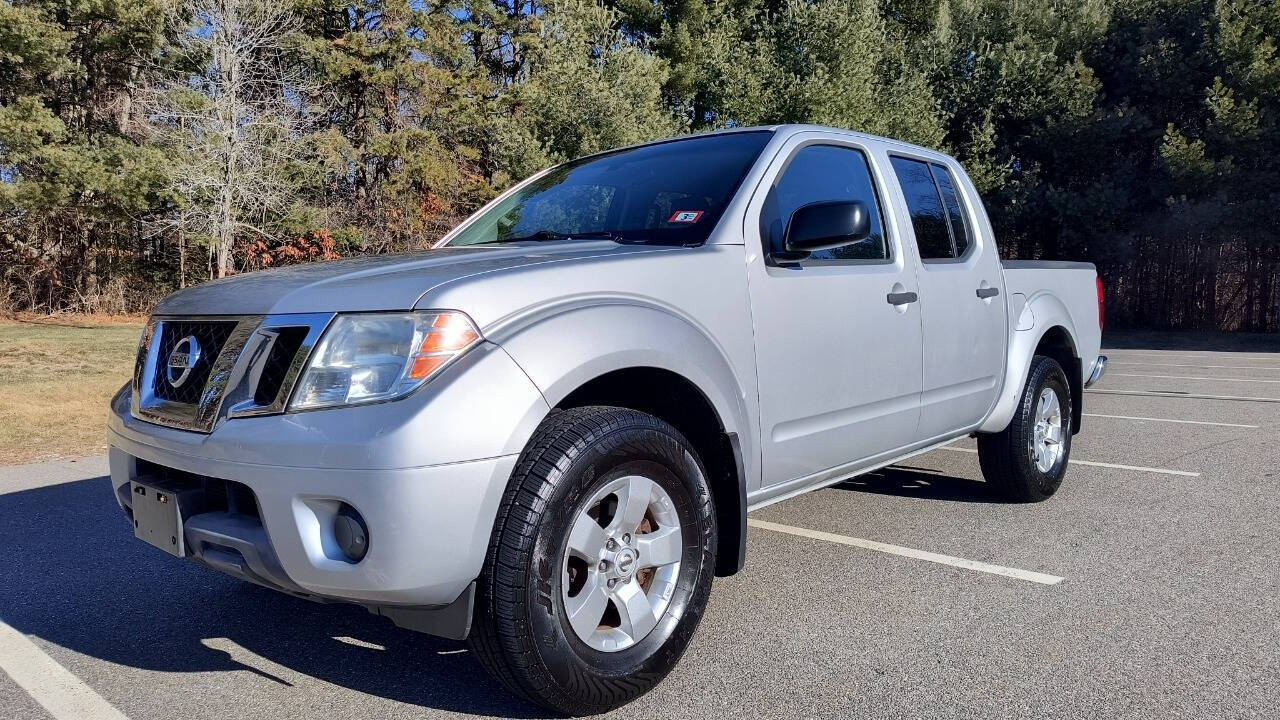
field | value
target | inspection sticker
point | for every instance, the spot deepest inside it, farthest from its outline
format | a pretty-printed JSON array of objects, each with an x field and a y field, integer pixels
[{"x": 685, "y": 216}]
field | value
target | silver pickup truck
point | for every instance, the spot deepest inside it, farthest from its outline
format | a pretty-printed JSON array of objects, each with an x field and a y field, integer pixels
[{"x": 545, "y": 434}]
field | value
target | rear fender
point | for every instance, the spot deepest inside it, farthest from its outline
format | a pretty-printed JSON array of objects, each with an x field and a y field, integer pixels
[{"x": 1042, "y": 313}]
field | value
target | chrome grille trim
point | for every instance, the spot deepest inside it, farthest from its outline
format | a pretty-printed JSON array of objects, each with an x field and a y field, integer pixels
[
  {"x": 233, "y": 379},
  {"x": 269, "y": 332}
]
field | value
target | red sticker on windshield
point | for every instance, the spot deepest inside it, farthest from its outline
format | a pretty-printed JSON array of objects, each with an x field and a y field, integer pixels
[{"x": 685, "y": 216}]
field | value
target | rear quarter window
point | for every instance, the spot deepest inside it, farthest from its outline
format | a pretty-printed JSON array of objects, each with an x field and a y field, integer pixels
[{"x": 955, "y": 213}]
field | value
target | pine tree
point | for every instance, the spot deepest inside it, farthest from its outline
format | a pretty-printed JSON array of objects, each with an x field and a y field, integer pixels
[
  {"x": 586, "y": 87},
  {"x": 73, "y": 174}
]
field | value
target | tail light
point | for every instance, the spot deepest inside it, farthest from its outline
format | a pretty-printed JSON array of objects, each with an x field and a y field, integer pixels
[{"x": 1102, "y": 303}]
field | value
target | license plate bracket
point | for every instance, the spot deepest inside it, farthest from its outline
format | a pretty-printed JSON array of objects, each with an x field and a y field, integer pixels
[{"x": 157, "y": 516}]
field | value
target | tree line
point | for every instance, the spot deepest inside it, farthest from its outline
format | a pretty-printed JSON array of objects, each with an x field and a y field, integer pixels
[{"x": 146, "y": 145}]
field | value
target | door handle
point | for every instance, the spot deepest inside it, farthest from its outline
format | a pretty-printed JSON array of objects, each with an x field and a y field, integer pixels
[
  {"x": 901, "y": 298},
  {"x": 990, "y": 292}
]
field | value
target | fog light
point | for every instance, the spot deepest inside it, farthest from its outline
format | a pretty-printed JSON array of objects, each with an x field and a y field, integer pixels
[{"x": 351, "y": 533}]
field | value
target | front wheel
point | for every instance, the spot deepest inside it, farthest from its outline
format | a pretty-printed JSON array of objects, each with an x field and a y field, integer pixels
[
  {"x": 600, "y": 563},
  {"x": 1027, "y": 460}
]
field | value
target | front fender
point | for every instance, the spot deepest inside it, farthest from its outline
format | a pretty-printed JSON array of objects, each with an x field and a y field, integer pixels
[
  {"x": 562, "y": 347},
  {"x": 1042, "y": 313}
]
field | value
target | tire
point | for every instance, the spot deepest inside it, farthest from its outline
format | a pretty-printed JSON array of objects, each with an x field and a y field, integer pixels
[
  {"x": 534, "y": 571},
  {"x": 1009, "y": 458}
]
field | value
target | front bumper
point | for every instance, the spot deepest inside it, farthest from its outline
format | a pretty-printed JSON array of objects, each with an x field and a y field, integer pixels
[
  {"x": 425, "y": 473},
  {"x": 428, "y": 527}
]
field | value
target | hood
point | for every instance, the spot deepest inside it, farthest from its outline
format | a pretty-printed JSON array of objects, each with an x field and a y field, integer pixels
[{"x": 380, "y": 282}]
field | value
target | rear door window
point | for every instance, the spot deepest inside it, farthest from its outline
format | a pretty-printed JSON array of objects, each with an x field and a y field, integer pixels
[{"x": 936, "y": 214}]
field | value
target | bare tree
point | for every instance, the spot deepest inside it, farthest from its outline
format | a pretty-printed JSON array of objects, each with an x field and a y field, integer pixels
[{"x": 231, "y": 113}]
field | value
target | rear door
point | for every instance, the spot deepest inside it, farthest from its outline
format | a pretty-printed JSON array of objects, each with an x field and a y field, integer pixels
[
  {"x": 839, "y": 366},
  {"x": 961, "y": 296}
]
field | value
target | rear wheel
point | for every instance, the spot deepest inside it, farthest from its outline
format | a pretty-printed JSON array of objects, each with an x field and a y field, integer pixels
[
  {"x": 1027, "y": 460},
  {"x": 600, "y": 563}
]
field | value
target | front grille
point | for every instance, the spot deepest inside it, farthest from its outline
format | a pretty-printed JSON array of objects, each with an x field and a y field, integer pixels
[
  {"x": 279, "y": 361},
  {"x": 246, "y": 366},
  {"x": 211, "y": 337}
]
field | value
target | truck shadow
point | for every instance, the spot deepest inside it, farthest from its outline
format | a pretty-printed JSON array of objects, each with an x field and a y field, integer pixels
[
  {"x": 79, "y": 579},
  {"x": 922, "y": 483}
]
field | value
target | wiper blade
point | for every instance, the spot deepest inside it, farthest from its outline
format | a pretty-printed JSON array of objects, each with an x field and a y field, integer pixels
[
  {"x": 550, "y": 235},
  {"x": 651, "y": 241},
  {"x": 539, "y": 236}
]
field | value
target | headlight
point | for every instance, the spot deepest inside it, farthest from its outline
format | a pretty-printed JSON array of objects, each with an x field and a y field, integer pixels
[{"x": 364, "y": 358}]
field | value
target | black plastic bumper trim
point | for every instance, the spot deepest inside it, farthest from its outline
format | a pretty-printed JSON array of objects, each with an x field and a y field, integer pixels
[{"x": 452, "y": 621}]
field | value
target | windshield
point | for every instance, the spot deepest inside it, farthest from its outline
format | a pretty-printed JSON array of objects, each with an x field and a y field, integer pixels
[{"x": 671, "y": 193}]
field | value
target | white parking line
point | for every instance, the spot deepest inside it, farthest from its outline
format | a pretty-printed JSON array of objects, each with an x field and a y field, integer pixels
[
  {"x": 1195, "y": 377},
  {"x": 1169, "y": 420},
  {"x": 1189, "y": 365},
  {"x": 63, "y": 695},
  {"x": 1114, "y": 466},
  {"x": 1191, "y": 396},
  {"x": 1015, "y": 573}
]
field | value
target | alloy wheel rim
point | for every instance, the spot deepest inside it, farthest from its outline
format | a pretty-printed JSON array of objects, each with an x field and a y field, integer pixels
[
  {"x": 621, "y": 563},
  {"x": 1047, "y": 437}
]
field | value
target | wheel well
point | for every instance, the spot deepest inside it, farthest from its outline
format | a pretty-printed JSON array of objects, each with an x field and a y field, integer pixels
[
  {"x": 1057, "y": 344},
  {"x": 678, "y": 401}
]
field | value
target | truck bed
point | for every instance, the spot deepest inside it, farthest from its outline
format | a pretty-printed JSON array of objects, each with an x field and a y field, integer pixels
[{"x": 1071, "y": 282}]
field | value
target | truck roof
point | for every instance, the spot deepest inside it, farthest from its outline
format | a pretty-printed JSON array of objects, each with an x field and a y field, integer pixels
[{"x": 791, "y": 129}]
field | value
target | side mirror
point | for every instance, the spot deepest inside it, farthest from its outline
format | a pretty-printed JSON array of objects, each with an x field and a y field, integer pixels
[{"x": 824, "y": 225}]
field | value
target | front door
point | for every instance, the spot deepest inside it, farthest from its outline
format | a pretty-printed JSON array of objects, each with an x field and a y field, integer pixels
[
  {"x": 839, "y": 365},
  {"x": 961, "y": 297}
]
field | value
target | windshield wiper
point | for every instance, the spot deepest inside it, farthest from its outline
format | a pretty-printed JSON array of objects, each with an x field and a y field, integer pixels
[
  {"x": 550, "y": 235},
  {"x": 598, "y": 235},
  {"x": 542, "y": 236},
  {"x": 538, "y": 236}
]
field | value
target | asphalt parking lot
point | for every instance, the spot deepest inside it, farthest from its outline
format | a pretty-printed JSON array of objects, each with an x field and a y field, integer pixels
[{"x": 1147, "y": 587}]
